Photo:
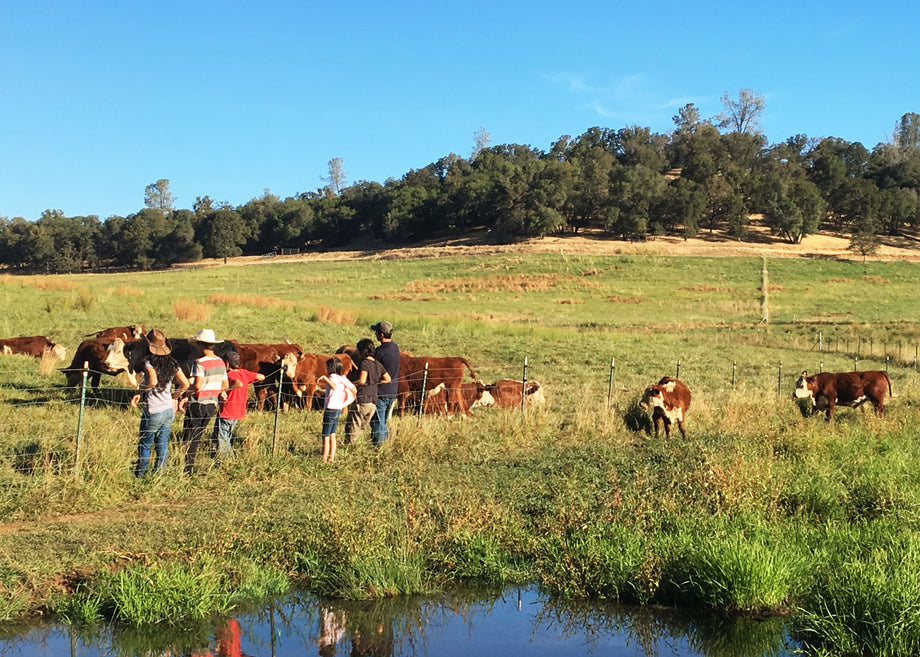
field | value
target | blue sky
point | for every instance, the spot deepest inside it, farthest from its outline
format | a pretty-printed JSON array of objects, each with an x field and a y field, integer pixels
[{"x": 227, "y": 99}]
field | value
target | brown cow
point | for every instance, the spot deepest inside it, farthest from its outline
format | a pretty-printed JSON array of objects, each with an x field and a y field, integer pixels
[
  {"x": 270, "y": 360},
  {"x": 446, "y": 369},
  {"x": 34, "y": 345},
  {"x": 669, "y": 399},
  {"x": 102, "y": 357},
  {"x": 126, "y": 333},
  {"x": 828, "y": 389},
  {"x": 507, "y": 393},
  {"x": 472, "y": 395},
  {"x": 309, "y": 368}
]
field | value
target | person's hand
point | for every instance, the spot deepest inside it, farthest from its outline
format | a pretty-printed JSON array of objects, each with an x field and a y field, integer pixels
[{"x": 134, "y": 400}]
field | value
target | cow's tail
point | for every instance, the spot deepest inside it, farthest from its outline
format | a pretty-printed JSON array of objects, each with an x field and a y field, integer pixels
[
  {"x": 890, "y": 391},
  {"x": 472, "y": 373}
]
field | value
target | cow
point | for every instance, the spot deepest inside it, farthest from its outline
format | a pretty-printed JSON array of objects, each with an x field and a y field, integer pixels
[
  {"x": 669, "y": 400},
  {"x": 446, "y": 369},
  {"x": 828, "y": 389},
  {"x": 309, "y": 368},
  {"x": 506, "y": 393},
  {"x": 272, "y": 361},
  {"x": 472, "y": 395},
  {"x": 185, "y": 350},
  {"x": 102, "y": 357},
  {"x": 126, "y": 333},
  {"x": 34, "y": 345}
]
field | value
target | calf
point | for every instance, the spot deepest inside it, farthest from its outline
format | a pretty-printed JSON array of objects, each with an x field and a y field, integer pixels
[
  {"x": 828, "y": 389},
  {"x": 669, "y": 400},
  {"x": 472, "y": 395},
  {"x": 34, "y": 345},
  {"x": 506, "y": 393},
  {"x": 274, "y": 361}
]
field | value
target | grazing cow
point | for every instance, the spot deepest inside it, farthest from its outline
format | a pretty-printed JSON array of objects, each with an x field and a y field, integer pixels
[
  {"x": 507, "y": 393},
  {"x": 272, "y": 361},
  {"x": 34, "y": 345},
  {"x": 472, "y": 395},
  {"x": 126, "y": 333},
  {"x": 828, "y": 389},
  {"x": 447, "y": 370},
  {"x": 669, "y": 399},
  {"x": 309, "y": 368},
  {"x": 102, "y": 357}
]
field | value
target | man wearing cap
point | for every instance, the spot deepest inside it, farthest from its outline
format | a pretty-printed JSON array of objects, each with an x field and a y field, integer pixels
[
  {"x": 209, "y": 379},
  {"x": 387, "y": 354}
]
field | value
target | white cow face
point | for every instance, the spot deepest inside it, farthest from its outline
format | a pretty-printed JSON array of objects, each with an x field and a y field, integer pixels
[{"x": 805, "y": 387}]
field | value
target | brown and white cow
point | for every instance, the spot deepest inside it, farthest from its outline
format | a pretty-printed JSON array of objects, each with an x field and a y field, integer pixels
[
  {"x": 184, "y": 350},
  {"x": 102, "y": 357},
  {"x": 472, "y": 395},
  {"x": 309, "y": 368},
  {"x": 126, "y": 333},
  {"x": 272, "y": 361},
  {"x": 33, "y": 345},
  {"x": 507, "y": 393},
  {"x": 669, "y": 400},
  {"x": 828, "y": 389},
  {"x": 448, "y": 370}
]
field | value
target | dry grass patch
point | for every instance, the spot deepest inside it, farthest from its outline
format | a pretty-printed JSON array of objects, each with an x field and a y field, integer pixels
[
  {"x": 404, "y": 297},
  {"x": 126, "y": 291},
  {"x": 191, "y": 311},
  {"x": 497, "y": 283},
  {"x": 618, "y": 299},
  {"x": 50, "y": 283},
  {"x": 840, "y": 280},
  {"x": 876, "y": 279},
  {"x": 571, "y": 302},
  {"x": 255, "y": 300},
  {"x": 707, "y": 288},
  {"x": 335, "y": 315}
]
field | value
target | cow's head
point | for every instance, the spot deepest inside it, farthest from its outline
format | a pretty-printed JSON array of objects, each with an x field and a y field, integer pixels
[
  {"x": 56, "y": 351},
  {"x": 652, "y": 397},
  {"x": 6, "y": 350},
  {"x": 534, "y": 393},
  {"x": 484, "y": 398},
  {"x": 805, "y": 387},
  {"x": 288, "y": 364},
  {"x": 137, "y": 331}
]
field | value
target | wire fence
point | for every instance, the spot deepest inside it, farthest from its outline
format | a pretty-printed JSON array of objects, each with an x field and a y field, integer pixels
[{"x": 55, "y": 429}]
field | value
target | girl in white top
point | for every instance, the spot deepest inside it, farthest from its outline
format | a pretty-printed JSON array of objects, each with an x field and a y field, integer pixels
[{"x": 340, "y": 392}]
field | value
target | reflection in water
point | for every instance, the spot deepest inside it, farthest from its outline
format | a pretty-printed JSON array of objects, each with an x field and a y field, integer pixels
[{"x": 462, "y": 623}]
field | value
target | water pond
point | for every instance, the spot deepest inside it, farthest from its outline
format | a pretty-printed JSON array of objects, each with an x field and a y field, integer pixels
[{"x": 515, "y": 622}]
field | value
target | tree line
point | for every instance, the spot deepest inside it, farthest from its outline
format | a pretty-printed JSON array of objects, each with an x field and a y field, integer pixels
[{"x": 632, "y": 183}]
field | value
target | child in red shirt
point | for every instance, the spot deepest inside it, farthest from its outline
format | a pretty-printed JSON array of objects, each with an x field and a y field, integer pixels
[{"x": 233, "y": 405}]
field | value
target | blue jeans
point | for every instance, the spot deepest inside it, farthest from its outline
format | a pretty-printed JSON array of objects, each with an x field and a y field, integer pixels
[
  {"x": 154, "y": 432},
  {"x": 379, "y": 430},
  {"x": 221, "y": 436},
  {"x": 330, "y": 421}
]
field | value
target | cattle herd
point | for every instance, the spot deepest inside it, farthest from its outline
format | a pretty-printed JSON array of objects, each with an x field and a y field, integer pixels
[
  {"x": 433, "y": 385},
  {"x": 290, "y": 372}
]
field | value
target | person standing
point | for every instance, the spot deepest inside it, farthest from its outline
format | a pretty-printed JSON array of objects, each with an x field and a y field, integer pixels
[
  {"x": 387, "y": 354},
  {"x": 232, "y": 407},
  {"x": 340, "y": 392},
  {"x": 370, "y": 375},
  {"x": 209, "y": 379},
  {"x": 159, "y": 410}
]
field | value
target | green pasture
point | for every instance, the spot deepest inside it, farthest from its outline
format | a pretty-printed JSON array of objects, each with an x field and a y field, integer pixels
[{"x": 760, "y": 511}]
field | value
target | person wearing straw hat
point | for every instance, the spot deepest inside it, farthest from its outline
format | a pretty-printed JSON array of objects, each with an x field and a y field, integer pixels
[
  {"x": 209, "y": 379},
  {"x": 159, "y": 409}
]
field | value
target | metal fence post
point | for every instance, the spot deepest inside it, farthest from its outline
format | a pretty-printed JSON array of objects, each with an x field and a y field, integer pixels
[
  {"x": 277, "y": 414},
  {"x": 76, "y": 467},
  {"x": 678, "y": 369},
  {"x": 610, "y": 382},
  {"x": 524, "y": 385},
  {"x": 421, "y": 402},
  {"x": 779, "y": 379},
  {"x": 734, "y": 368}
]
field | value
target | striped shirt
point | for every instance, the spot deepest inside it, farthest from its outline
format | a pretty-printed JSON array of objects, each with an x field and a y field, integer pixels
[{"x": 212, "y": 371}]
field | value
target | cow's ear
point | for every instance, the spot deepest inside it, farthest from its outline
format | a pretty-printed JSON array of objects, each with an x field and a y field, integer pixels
[{"x": 804, "y": 374}]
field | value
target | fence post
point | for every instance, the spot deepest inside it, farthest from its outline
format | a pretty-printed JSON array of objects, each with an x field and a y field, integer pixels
[
  {"x": 820, "y": 341},
  {"x": 277, "y": 414},
  {"x": 678, "y": 369},
  {"x": 524, "y": 385},
  {"x": 820, "y": 367},
  {"x": 887, "y": 358},
  {"x": 610, "y": 382},
  {"x": 734, "y": 368},
  {"x": 855, "y": 363},
  {"x": 779, "y": 379},
  {"x": 421, "y": 402},
  {"x": 76, "y": 467}
]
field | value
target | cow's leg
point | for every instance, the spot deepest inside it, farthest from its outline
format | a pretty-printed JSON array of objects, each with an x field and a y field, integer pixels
[
  {"x": 667, "y": 428},
  {"x": 656, "y": 419},
  {"x": 683, "y": 430},
  {"x": 879, "y": 406},
  {"x": 829, "y": 415}
]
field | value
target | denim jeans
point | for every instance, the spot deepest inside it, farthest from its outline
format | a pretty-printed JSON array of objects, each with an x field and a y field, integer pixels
[
  {"x": 221, "y": 446},
  {"x": 379, "y": 430},
  {"x": 197, "y": 417},
  {"x": 154, "y": 432}
]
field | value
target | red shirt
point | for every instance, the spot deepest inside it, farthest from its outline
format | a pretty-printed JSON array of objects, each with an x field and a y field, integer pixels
[{"x": 234, "y": 408}]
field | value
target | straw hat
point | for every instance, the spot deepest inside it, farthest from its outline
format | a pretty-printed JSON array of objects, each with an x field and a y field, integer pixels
[{"x": 206, "y": 336}]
